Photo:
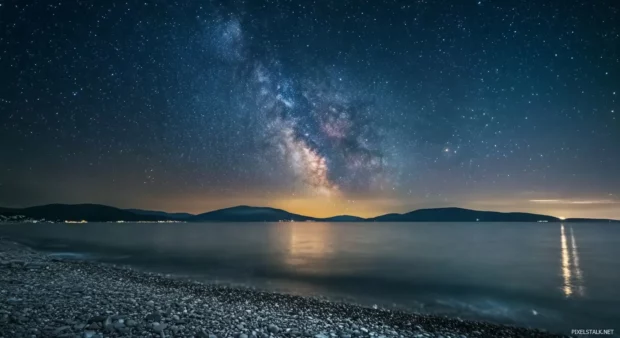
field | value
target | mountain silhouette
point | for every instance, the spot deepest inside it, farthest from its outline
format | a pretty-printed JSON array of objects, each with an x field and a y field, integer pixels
[
  {"x": 343, "y": 218},
  {"x": 78, "y": 212},
  {"x": 244, "y": 213},
  {"x": 462, "y": 215}
]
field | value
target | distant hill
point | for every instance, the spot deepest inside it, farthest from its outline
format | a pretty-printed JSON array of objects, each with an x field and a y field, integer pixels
[
  {"x": 244, "y": 213},
  {"x": 78, "y": 212},
  {"x": 343, "y": 218},
  {"x": 173, "y": 216},
  {"x": 462, "y": 215}
]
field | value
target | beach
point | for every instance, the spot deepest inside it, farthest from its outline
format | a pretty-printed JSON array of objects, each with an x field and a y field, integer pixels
[{"x": 48, "y": 296}]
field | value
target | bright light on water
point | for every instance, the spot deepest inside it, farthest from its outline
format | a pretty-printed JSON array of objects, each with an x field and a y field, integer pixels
[
  {"x": 566, "y": 272},
  {"x": 571, "y": 271},
  {"x": 578, "y": 272}
]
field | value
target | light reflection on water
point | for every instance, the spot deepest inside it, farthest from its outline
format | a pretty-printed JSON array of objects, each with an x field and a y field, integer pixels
[
  {"x": 306, "y": 248},
  {"x": 572, "y": 274},
  {"x": 566, "y": 271},
  {"x": 578, "y": 272}
]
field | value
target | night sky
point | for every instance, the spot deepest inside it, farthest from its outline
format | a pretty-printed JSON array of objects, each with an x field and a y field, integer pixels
[{"x": 320, "y": 108}]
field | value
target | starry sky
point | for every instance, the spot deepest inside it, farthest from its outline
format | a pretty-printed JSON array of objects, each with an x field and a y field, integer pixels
[{"x": 317, "y": 107}]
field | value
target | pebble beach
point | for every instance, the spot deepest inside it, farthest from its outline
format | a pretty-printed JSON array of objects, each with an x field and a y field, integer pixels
[{"x": 47, "y": 296}]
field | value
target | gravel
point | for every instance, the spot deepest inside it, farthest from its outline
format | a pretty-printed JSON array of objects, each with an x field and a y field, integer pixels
[{"x": 43, "y": 296}]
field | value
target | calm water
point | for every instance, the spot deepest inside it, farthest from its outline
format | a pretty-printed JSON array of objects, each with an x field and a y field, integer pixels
[{"x": 543, "y": 275}]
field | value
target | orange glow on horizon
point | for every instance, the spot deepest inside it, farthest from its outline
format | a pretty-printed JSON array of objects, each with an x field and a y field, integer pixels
[{"x": 327, "y": 206}]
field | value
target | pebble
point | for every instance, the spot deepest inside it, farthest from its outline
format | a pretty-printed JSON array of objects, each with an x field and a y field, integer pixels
[
  {"x": 94, "y": 326},
  {"x": 157, "y": 327},
  {"x": 96, "y": 319},
  {"x": 60, "y": 330},
  {"x": 273, "y": 328},
  {"x": 88, "y": 334},
  {"x": 153, "y": 317}
]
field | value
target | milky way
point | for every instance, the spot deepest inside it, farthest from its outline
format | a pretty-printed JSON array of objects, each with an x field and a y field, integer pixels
[
  {"x": 325, "y": 134},
  {"x": 323, "y": 108}
]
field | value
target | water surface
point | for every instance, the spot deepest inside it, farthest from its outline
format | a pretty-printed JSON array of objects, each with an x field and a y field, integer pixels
[{"x": 553, "y": 276}]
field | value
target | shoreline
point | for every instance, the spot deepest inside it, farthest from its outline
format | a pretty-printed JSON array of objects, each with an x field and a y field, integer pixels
[{"x": 45, "y": 296}]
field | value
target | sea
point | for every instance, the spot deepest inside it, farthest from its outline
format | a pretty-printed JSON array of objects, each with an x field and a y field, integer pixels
[{"x": 554, "y": 276}]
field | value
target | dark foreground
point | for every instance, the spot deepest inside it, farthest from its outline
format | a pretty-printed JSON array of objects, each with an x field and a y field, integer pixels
[{"x": 41, "y": 296}]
